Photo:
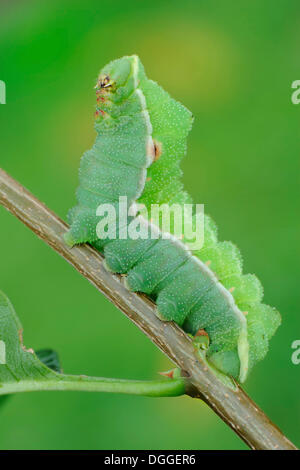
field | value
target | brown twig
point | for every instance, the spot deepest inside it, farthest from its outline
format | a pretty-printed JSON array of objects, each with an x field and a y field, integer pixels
[{"x": 234, "y": 407}]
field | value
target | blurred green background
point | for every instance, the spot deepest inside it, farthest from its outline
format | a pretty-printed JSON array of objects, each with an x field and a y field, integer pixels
[{"x": 232, "y": 63}]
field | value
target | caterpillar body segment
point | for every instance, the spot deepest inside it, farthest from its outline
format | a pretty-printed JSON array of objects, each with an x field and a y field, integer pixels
[
  {"x": 141, "y": 139},
  {"x": 117, "y": 163}
]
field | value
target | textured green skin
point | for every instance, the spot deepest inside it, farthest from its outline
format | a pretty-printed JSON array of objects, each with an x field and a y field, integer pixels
[{"x": 185, "y": 289}]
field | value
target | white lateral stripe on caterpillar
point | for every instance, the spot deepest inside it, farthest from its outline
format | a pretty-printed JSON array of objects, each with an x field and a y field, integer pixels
[
  {"x": 243, "y": 347},
  {"x": 150, "y": 150}
]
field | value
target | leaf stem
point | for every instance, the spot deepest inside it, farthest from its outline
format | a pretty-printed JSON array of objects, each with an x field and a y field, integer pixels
[{"x": 154, "y": 388}]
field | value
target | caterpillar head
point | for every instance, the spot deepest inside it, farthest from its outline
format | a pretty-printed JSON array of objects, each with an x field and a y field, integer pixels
[
  {"x": 104, "y": 85},
  {"x": 115, "y": 83},
  {"x": 118, "y": 78}
]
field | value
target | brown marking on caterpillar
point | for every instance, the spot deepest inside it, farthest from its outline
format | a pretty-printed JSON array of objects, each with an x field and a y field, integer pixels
[
  {"x": 157, "y": 150},
  {"x": 103, "y": 82},
  {"x": 201, "y": 332},
  {"x": 103, "y": 87},
  {"x": 148, "y": 179},
  {"x": 150, "y": 149},
  {"x": 98, "y": 112}
]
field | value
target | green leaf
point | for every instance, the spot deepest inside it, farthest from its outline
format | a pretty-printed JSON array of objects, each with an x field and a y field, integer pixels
[
  {"x": 23, "y": 370},
  {"x": 18, "y": 363}
]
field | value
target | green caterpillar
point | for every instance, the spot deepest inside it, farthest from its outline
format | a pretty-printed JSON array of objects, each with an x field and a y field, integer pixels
[{"x": 141, "y": 138}]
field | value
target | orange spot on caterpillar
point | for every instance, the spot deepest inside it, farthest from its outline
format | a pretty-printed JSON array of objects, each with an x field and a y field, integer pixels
[
  {"x": 208, "y": 263},
  {"x": 149, "y": 179},
  {"x": 157, "y": 150},
  {"x": 150, "y": 149},
  {"x": 245, "y": 313},
  {"x": 201, "y": 332},
  {"x": 98, "y": 112},
  {"x": 231, "y": 289}
]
